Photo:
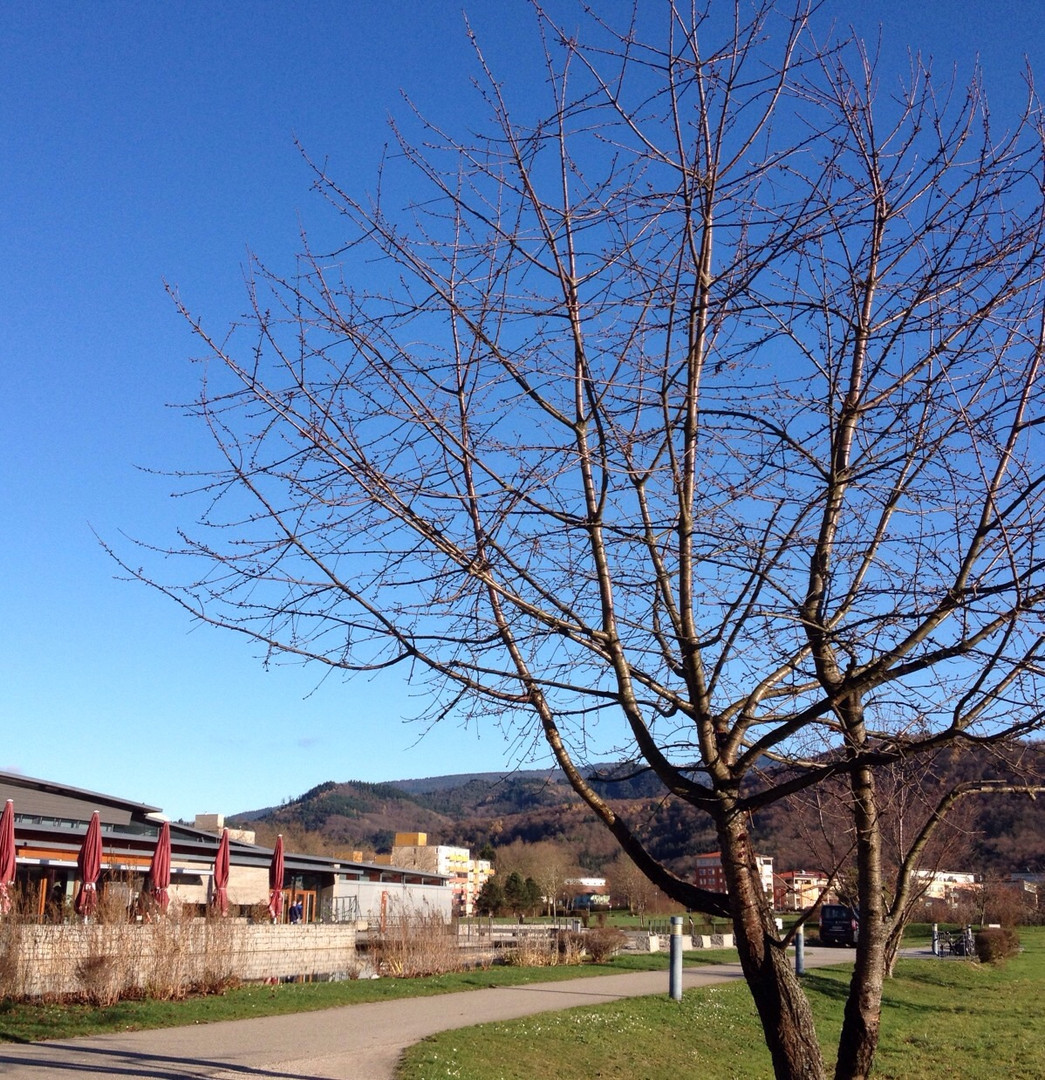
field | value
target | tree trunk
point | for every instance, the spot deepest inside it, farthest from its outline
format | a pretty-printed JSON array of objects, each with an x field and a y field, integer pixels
[
  {"x": 783, "y": 1008},
  {"x": 892, "y": 946},
  {"x": 859, "y": 1037}
]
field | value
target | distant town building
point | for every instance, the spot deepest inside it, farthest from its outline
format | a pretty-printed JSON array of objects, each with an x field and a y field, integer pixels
[
  {"x": 214, "y": 823},
  {"x": 948, "y": 885},
  {"x": 466, "y": 875},
  {"x": 709, "y": 874},
  {"x": 587, "y": 892},
  {"x": 799, "y": 890}
]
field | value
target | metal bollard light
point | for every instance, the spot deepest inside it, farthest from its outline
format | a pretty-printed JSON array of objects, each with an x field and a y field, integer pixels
[
  {"x": 800, "y": 951},
  {"x": 936, "y": 939},
  {"x": 675, "y": 978}
]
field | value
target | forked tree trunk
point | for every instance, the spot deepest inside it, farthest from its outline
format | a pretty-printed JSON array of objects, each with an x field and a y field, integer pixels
[
  {"x": 783, "y": 1008},
  {"x": 892, "y": 946},
  {"x": 858, "y": 1041}
]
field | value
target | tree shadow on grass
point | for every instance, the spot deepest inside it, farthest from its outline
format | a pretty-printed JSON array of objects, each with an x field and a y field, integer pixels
[
  {"x": 825, "y": 986},
  {"x": 68, "y": 1059}
]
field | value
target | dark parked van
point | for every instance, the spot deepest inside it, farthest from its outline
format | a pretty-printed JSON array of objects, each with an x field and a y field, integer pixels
[{"x": 839, "y": 925}]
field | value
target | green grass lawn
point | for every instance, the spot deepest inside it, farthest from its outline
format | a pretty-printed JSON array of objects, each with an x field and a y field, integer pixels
[
  {"x": 21, "y": 1022},
  {"x": 942, "y": 1018},
  {"x": 622, "y": 920}
]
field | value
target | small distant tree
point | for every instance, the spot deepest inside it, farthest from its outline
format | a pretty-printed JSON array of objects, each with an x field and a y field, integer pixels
[
  {"x": 918, "y": 836},
  {"x": 548, "y": 862},
  {"x": 516, "y": 897},
  {"x": 490, "y": 900},
  {"x": 628, "y": 885},
  {"x": 533, "y": 897},
  {"x": 1001, "y": 900}
]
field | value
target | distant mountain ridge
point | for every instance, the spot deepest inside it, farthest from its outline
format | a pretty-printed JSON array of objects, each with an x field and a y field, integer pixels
[
  {"x": 468, "y": 810},
  {"x": 426, "y": 785},
  {"x": 1006, "y": 833}
]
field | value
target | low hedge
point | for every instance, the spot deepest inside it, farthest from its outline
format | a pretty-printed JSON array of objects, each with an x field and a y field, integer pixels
[{"x": 996, "y": 944}]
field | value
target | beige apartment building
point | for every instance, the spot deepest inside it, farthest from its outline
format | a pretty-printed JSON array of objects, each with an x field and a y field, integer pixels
[{"x": 466, "y": 875}]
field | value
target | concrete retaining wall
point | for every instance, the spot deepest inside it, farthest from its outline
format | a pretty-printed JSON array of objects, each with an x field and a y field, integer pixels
[
  {"x": 662, "y": 942},
  {"x": 101, "y": 960}
]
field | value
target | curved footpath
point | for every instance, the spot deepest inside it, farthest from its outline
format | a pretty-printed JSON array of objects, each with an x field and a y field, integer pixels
[{"x": 355, "y": 1042}]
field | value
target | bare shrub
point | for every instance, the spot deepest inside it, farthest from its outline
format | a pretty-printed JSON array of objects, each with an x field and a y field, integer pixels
[
  {"x": 121, "y": 958},
  {"x": 995, "y": 945},
  {"x": 216, "y": 981},
  {"x": 110, "y": 957},
  {"x": 116, "y": 900},
  {"x": 604, "y": 942},
  {"x": 418, "y": 942},
  {"x": 530, "y": 953},
  {"x": 167, "y": 974},
  {"x": 11, "y": 982},
  {"x": 561, "y": 949},
  {"x": 102, "y": 977},
  {"x": 570, "y": 946},
  {"x": 107, "y": 956},
  {"x": 257, "y": 913},
  {"x": 219, "y": 955}
]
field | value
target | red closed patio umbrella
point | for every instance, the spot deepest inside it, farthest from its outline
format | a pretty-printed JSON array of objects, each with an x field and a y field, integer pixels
[
  {"x": 221, "y": 874},
  {"x": 7, "y": 855},
  {"x": 276, "y": 880},
  {"x": 160, "y": 868},
  {"x": 89, "y": 866}
]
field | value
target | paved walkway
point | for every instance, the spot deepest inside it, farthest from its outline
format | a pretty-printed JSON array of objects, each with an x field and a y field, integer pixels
[{"x": 357, "y": 1042}]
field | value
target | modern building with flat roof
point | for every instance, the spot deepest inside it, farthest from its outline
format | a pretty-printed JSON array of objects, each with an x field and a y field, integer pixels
[{"x": 51, "y": 820}]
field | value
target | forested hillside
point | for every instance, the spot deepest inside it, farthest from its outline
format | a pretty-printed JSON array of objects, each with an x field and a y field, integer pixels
[{"x": 991, "y": 834}]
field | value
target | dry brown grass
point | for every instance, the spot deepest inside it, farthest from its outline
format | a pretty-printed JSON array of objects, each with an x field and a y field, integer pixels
[
  {"x": 561, "y": 948},
  {"x": 10, "y": 957},
  {"x": 418, "y": 942},
  {"x": 110, "y": 957}
]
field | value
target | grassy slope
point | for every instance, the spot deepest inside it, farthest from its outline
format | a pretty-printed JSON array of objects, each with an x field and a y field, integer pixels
[{"x": 941, "y": 1018}]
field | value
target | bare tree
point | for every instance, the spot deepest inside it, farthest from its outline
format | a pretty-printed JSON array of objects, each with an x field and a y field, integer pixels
[
  {"x": 626, "y": 882},
  {"x": 548, "y": 863},
  {"x": 923, "y": 822},
  {"x": 693, "y": 415}
]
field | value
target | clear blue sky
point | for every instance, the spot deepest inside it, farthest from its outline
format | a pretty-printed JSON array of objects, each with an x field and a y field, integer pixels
[{"x": 144, "y": 142}]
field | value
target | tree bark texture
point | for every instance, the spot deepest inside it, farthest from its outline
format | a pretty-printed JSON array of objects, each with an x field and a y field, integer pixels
[{"x": 783, "y": 1008}]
